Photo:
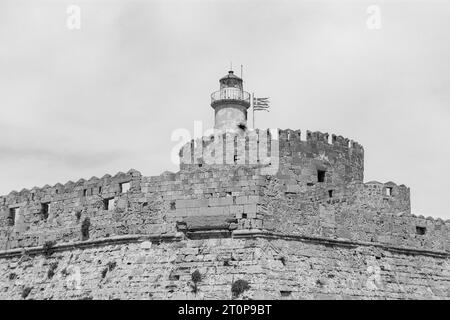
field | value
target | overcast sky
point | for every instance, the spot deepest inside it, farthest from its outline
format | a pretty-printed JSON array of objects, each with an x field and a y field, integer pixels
[{"x": 107, "y": 97}]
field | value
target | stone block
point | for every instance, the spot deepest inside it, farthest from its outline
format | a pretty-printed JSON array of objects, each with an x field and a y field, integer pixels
[
  {"x": 192, "y": 211},
  {"x": 250, "y": 208},
  {"x": 224, "y": 201},
  {"x": 242, "y": 200},
  {"x": 180, "y": 212}
]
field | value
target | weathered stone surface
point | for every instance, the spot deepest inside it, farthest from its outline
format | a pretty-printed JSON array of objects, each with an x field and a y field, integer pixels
[
  {"x": 290, "y": 233},
  {"x": 310, "y": 271}
]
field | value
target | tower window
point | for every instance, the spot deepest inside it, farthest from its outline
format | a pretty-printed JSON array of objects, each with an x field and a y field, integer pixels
[
  {"x": 108, "y": 204},
  {"x": 44, "y": 210},
  {"x": 84, "y": 192},
  {"x": 330, "y": 193},
  {"x": 420, "y": 230},
  {"x": 388, "y": 191},
  {"x": 12, "y": 216},
  {"x": 124, "y": 187},
  {"x": 321, "y": 175},
  {"x": 173, "y": 205}
]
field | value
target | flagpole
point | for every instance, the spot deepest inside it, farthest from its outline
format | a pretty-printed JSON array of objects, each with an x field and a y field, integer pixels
[{"x": 253, "y": 109}]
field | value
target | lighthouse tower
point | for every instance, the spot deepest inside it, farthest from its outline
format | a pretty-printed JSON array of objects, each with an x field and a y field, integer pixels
[{"x": 230, "y": 104}]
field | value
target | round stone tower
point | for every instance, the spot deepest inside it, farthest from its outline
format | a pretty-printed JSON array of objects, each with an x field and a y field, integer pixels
[{"x": 230, "y": 104}]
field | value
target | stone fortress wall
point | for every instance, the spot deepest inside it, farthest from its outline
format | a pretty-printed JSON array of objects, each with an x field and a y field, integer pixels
[{"x": 303, "y": 228}]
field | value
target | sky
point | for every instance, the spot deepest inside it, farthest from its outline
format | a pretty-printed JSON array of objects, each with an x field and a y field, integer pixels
[{"x": 104, "y": 98}]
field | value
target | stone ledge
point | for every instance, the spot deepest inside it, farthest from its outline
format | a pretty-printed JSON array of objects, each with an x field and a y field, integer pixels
[
  {"x": 93, "y": 243},
  {"x": 236, "y": 234},
  {"x": 257, "y": 233}
]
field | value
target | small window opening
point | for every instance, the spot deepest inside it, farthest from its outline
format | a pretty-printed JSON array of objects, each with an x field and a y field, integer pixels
[
  {"x": 56, "y": 191},
  {"x": 108, "y": 204},
  {"x": 32, "y": 197},
  {"x": 12, "y": 216},
  {"x": 321, "y": 175},
  {"x": 330, "y": 193},
  {"x": 235, "y": 158},
  {"x": 124, "y": 187},
  {"x": 173, "y": 205},
  {"x": 420, "y": 230},
  {"x": 174, "y": 277},
  {"x": 84, "y": 192},
  {"x": 99, "y": 190},
  {"x": 44, "y": 210},
  {"x": 388, "y": 191},
  {"x": 285, "y": 294},
  {"x": 244, "y": 216},
  {"x": 309, "y": 184}
]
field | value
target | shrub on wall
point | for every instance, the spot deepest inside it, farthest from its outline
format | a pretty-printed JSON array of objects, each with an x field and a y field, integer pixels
[
  {"x": 25, "y": 292},
  {"x": 78, "y": 214},
  {"x": 48, "y": 248},
  {"x": 238, "y": 287},
  {"x": 51, "y": 269},
  {"x": 104, "y": 272},
  {"x": 111, "y": 265},
  {"x": 65, "y": 272},
  {"x": 85, "y": 225},
  {"x": 196, "y": 277}
]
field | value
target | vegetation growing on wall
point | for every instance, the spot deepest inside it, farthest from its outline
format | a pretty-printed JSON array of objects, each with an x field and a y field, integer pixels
[
  {"x": 85, "y": 225},
  {"x": 238, "y": 287}
]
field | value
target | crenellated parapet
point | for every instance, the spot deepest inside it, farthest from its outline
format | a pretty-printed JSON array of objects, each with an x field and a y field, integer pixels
[
  {"x": 341, "y": 160},
  {"x": 30, "y": 217},
  {"x": 316, "y": 137},
  {"x": 82, "y": 186},
  {"x": 314, "y": 151},
  {"x": 252, "y": 147},
  {"x": 371, "y": 212}
]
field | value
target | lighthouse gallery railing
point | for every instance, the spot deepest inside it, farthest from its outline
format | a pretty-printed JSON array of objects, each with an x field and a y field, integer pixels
[{"x": 230, "y": 94}]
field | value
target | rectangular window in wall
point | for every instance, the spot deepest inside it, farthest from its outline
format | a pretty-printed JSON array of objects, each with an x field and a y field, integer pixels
[
  {"x": 108, "y": 204},
  {"x": 12, "y": 216},
  {"x": 421, "y": 230},
  {"x": 44, "y": 210},
  {"x": 321, "y": 175},
  {"x": 124, "y": 187},
  {"x": 388, "y": 191}
]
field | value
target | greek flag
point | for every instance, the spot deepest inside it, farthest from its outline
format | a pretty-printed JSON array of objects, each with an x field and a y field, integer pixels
[{"x": 261, "y": 104}]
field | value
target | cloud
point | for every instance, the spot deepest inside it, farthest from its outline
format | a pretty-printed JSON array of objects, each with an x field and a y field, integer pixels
[{"x": 106, "y": 98}]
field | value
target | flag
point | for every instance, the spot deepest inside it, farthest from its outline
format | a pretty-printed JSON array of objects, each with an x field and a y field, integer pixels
[{"x": 261, "y": 104}]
